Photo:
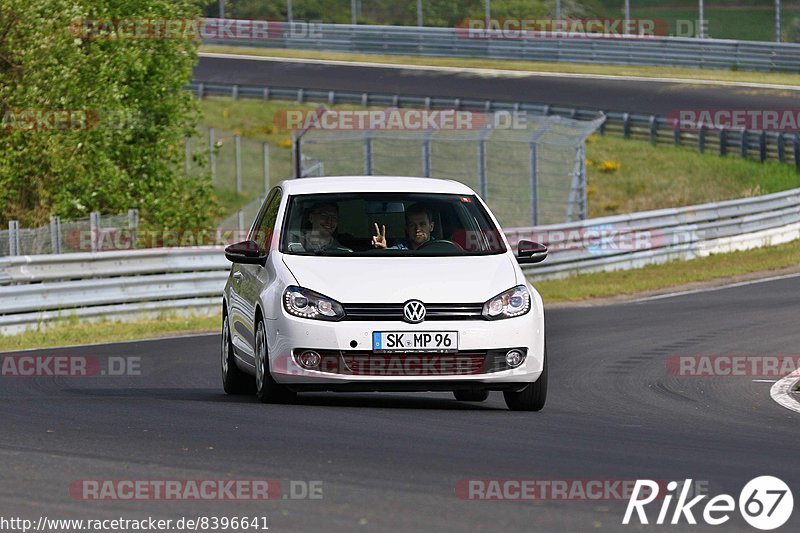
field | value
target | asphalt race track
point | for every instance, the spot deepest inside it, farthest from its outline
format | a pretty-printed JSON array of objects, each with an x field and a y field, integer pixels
[
  {"x": 392, "y": 461},
  {"x": 650, "y": 97}
]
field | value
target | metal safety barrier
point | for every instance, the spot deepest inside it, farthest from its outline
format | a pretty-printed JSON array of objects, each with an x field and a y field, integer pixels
[
  {"x": 118, "y": 285},
  {"x": 520, "y": 46}
]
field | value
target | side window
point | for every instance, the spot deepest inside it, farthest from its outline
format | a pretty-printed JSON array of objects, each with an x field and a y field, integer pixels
[{"x": 265, "y": 223}]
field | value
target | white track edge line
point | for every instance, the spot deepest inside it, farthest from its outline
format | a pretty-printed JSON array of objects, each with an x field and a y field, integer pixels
[{"x": 781, "y": 391}]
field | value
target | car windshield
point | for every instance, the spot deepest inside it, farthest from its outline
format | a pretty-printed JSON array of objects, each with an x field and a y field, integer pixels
[{"x": 402, "y": 224}]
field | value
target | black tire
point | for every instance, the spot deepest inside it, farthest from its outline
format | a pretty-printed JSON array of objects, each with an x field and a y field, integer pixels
[
  {"x": 234, "y": 381},
  {"x": 267, "y": 389},
  {"x": 532, "y": 397},
  {"x": 471, "y": 395}
]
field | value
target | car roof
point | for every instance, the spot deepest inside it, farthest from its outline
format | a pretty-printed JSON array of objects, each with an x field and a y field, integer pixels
[{"x": 333, "y": 184}]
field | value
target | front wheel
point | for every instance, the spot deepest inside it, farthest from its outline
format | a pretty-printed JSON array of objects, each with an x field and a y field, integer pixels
[
  {"x": 234, "y": 381},
  {"x": 267, "y": 389},
  {"x": 532, "y": 397}
]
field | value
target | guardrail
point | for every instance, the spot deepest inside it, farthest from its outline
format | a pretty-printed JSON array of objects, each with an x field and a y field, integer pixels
[
  {"x": 125, "y": 284},
  {"x": 657, "y": 129},
  {"x": 522, "y": 46},
  {"x": 38, "y": 289}
]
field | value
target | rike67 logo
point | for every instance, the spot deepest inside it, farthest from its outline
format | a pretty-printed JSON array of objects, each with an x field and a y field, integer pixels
[{"x": 765, "y": 503}]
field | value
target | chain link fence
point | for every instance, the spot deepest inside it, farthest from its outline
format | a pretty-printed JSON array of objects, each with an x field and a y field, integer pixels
[
  {"x": 89, "y": 234},
  {"x": 530, "y": 174}
]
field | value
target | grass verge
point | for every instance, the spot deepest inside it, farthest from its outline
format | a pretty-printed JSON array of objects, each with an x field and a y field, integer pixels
[
  {"x": 776, "y": 78},
  {"x": 74, "y": 333},
  {"x": 670, "y": 275}
]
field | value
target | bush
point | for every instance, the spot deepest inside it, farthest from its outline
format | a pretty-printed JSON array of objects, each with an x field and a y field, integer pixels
[{"x": 127, "y": 115}]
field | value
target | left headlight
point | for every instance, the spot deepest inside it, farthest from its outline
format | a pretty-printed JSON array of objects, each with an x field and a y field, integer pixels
[
  {"x": 508, "y": 304},
  {"x": 309, "y": 304}
]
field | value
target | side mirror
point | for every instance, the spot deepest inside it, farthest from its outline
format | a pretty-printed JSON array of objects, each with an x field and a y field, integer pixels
[
  {"x": 531, "y": 252},
  {"x": 245, "y": 252}
]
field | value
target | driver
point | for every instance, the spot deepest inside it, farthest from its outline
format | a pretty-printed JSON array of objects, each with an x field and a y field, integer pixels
[{"x": 419, "y": 225}]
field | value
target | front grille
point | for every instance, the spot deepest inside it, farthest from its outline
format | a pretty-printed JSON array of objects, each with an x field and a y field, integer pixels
[{"x": 395, "y": 312}]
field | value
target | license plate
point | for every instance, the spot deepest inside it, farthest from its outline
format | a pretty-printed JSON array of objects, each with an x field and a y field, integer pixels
[{"x": 414, "y": 341}]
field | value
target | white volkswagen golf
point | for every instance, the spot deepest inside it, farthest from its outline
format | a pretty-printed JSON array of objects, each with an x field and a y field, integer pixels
[{"x": 381, "y": 284}]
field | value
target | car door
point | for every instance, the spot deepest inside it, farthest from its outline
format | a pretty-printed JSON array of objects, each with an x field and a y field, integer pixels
[
  {"x": 255, "y": 277},
  {"x": 239, "y": 313}
]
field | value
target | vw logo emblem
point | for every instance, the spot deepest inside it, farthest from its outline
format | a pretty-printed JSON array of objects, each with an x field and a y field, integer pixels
[{"x": 414, "y": 311}]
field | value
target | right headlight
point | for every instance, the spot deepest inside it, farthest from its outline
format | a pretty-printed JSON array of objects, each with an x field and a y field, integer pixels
[
  {"x": 508, "y": 304},
  {"x": 306, "y": 303}
]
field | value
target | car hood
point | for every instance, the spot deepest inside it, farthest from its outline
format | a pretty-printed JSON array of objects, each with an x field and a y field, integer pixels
[{"x": 398, "y": 279}]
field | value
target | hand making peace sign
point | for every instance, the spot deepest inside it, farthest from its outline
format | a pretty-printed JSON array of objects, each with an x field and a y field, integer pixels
[{"x": 379, "y": 239}]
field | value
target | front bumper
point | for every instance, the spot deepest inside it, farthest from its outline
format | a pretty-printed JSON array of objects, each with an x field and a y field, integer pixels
[{"x": 349, "y": 343}]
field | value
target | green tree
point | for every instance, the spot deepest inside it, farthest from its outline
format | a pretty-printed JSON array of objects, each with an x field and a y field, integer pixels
[{"x": 131, "y": 152}]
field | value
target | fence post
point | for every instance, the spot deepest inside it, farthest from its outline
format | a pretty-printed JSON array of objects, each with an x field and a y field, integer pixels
[
  {"x": 676, "y": 133},
  {"x": 426, "y": 155},
  {"x": 133, "y": 223},
  {"x": 94, "y": 229},
  {"x": 55, "y": 235},
  {"x": 482, "y": 166},
  {"x": 534, "y": 186},
  {"x": 237, "y": 143},
  {"x": 212, "y": 155},
  {"x": 745, "y": 144},
  {"x": 200, "y": 91},
  {"x": 723, "y": 142},
  {"x": 796, "y": 146},
  {"x": 583, "y": 213},
  {"x": 368, "y": 153},
  {"x": 653, "y": 130},
  {"x": 701, "y": 139},
  {"x": 13, "y": 237},
  {"x": 603, "y": 124},
  {"x": 781, "y": 148},
  {"x": 240, "y": 220},
  {"x": 265, "y": 150},
  {"x": 297, "y": 157},
  {"x": 762, "y": 146},
  {"x": 235, "y": 92},
  {"x": 626, "y": 125}
]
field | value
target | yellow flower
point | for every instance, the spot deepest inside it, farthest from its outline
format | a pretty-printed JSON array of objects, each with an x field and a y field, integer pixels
[
  {"x": 285, "y": 143},
  {"x": 610, "y": 166},
  {"x": 226, "y": 112}
]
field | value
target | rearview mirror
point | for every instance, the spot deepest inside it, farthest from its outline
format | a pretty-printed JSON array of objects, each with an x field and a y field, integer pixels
[
  {"x": 531, "y": 252},
  {"x": 245, "y": 252}
]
